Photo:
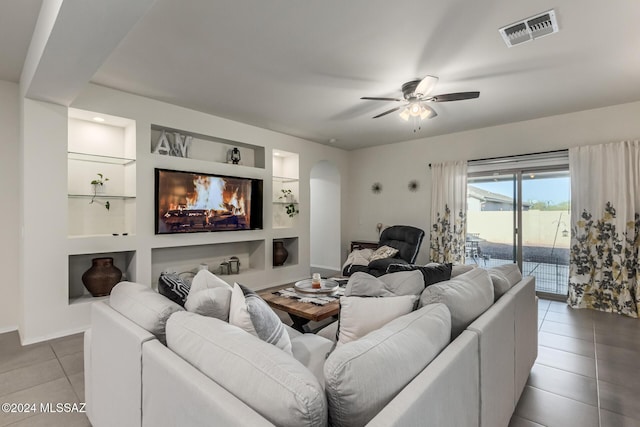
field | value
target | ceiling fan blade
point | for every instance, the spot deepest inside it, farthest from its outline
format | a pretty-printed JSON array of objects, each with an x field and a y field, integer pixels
[
  {"x": 386, "y": 112},
  {"x": 381, "y": 99},
  {"x": 459, "y": 96},
  {"x": 426, "y": 85}
]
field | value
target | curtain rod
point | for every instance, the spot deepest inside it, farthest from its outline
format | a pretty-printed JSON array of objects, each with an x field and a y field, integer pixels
[{"x": 514, "y": 157}]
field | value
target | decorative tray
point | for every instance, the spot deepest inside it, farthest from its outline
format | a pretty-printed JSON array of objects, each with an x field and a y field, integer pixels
[{"x": 327, "y": 286}]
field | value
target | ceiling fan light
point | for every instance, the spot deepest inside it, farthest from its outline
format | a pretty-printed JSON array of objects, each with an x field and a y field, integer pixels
[
  {"x": 404, "y": 114},
  {"x": 414, "y": 109},
  {"x": 425, "y": 113}
]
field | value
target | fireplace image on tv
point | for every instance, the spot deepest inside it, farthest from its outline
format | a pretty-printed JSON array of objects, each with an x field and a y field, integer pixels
[{"x": 188, "y": 202}]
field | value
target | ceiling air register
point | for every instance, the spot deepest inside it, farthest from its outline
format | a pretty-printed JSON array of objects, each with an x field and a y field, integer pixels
[{"x": 530, "y": 28}]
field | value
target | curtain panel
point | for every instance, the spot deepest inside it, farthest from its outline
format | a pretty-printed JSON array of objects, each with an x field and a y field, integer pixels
[
  {"x": 448, "y": 212},
  {"x": 605, "y": 228}
]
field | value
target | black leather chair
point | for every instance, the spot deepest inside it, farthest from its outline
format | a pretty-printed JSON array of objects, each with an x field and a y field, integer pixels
[{"x": 405, "y": 238}]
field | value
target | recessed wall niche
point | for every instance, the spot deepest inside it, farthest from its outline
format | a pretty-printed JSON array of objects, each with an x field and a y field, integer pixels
[{"x": 193, "y": 145}]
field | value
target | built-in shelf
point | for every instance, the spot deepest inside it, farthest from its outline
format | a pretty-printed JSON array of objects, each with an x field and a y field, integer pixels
[
  {"x": 182, "y": 259},
  {"x": 100, "y": 196},
  {"x": 285, "y": 179},
  {"x": 78, "y": 264},
  {"x": 181, "y": 144},
  {"x": 97, "y": 158},
  {"x": 291, "y": 245}
]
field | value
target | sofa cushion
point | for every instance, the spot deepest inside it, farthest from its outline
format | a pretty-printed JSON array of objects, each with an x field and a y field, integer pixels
[
  {"x": 312, "y": 350},
  {"x": 402, "y": 283},
  {"x": 363, "y": 376},
  {"x": 361, "y": 315},
  {"x": 467, "y": 296},
  {"x": 173, "y": 287},
  {"x": 503, "y": 278},
  {"x": 459, "y": 269},
  {"x": 431, "y": 273},
  {"x": 209, "y": 296},
  {"x": 250, "y": 312},
  {"x": 143, "y": 306},
  {"x": 273, "y": 383}
]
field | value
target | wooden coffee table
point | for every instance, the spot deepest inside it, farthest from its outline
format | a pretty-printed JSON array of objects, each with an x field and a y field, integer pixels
[{"x": 301, "y": 313}]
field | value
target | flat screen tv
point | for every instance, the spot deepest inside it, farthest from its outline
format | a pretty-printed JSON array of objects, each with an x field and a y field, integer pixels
[{"x": 190, "y": 202}]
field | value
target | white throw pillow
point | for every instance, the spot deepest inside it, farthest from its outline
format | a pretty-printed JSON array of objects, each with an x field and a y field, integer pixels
[
  {"x": 214, "y": 302},
  {"x": 209, "y": 296},
  {"x": 359, "y": 316},
  {"x": 383, "y": 252},
  {"x": 251, "y": 313},
  {"x": 207, "y": 280}
]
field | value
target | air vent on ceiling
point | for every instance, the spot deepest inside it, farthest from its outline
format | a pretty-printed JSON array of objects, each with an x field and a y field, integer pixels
[{"x": 530, "y": 28}]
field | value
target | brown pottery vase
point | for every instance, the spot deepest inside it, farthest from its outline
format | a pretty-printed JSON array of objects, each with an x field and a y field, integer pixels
[
  {"x": 101, "y": 277},
  {"x": 280, "y": 253}
]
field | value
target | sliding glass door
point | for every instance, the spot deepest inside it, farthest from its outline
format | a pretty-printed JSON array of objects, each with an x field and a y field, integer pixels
[{"x": 522, "y": 216}]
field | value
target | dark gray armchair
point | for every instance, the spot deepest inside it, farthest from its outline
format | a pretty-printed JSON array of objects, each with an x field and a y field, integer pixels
[{"x": 405, "y": 238}]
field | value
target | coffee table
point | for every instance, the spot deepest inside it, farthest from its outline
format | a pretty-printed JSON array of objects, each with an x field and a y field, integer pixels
[{"x": 301, "y": 313}]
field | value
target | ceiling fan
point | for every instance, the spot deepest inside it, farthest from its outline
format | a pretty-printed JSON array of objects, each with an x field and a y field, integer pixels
[{"x": 416, "y": 95}]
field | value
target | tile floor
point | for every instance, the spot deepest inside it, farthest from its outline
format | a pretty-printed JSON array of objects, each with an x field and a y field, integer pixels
[
  {"x": 49, "y": 372},
  {"x": 587, "y": 373}
]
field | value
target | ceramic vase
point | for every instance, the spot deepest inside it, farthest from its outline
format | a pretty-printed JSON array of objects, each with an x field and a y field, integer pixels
[
  {"x": 280, "y": 253},
  {"x": 101, "y": 277}
]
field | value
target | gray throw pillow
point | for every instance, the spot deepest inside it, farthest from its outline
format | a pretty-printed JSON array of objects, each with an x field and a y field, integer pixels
[{"x": 251, "y": 313}]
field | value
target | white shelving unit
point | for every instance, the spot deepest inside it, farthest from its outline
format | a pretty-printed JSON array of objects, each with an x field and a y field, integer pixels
[
  {"x": 285, "y": 178},
  {"x": 107, "y": 147}
]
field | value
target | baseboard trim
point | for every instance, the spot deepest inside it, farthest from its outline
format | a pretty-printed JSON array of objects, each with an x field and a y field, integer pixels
[
  {"x": 53, "y": 336},
  {"x": 8, "y": 329}
]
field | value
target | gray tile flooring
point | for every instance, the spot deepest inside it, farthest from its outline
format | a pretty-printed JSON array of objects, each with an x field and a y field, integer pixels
[
  {"x": 46, "y": 373},
  {"x": 587, "y": 374}
]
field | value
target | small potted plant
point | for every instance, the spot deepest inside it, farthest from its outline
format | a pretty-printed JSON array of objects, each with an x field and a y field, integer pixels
[
  {"x": 98, "y": 188},
  {"x": 290, "y": 207}
]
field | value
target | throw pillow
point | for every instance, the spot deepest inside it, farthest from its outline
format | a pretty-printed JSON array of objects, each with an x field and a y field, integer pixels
[
  {"x": 397, "y": 284},
  {"x": 383, "y": 252},
  {"x": 359, "y": 316},
  {"x": 207, "y": 280},
  {"x": 212, "y": 302},
  {"x": 250, "y": 312},
  {"x": 431, "y": 273},
  {"x": 173, "y": 287},
  {"x": 209, "y": 296}
]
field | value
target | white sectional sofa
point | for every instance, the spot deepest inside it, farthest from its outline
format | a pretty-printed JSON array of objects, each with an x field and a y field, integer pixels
[{"x": 407, "y": 373}]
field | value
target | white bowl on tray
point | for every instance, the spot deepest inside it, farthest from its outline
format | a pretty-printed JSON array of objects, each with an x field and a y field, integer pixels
[{"x": 326, "y": 286}]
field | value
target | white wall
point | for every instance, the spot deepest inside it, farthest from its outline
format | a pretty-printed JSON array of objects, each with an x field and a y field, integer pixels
[
  {"x": 47, "y": 312},
  {"x": 394, "y": 165},
  {"x": 325, "y": 220},
  {"x": 9, "y": 180}
]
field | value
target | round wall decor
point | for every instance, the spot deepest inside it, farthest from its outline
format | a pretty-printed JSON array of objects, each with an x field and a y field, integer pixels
[
  {"x": 413, "y": 185},
  {"x": 376, "y": 188}
]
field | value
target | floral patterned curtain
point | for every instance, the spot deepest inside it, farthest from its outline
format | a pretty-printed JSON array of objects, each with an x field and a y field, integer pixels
[
  {"x": 605, "y": 225},
  {"x": 448, "y": 211}
]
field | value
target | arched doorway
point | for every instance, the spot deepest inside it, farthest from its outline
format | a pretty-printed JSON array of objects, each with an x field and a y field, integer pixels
[{"x": 325, "y": 217}]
